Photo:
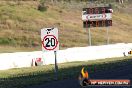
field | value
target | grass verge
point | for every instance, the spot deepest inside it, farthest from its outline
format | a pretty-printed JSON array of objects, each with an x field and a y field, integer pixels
[{"x": 20, "y": 78}]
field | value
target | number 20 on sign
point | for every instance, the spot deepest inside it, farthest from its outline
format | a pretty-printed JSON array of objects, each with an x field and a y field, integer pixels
[{"x": 49, "y": 38}]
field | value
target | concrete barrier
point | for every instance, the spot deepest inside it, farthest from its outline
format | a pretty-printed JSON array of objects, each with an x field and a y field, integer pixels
[{"x": 24, "y": 59}]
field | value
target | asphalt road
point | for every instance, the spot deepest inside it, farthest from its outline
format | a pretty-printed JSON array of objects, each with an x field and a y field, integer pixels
[{"x": 122, "y": 72}]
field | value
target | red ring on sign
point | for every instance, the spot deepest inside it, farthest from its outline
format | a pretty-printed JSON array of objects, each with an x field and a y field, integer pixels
[{"x": 45, "y": 46}]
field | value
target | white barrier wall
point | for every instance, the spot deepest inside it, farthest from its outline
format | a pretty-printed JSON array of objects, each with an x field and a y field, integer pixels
[{"x": 24, "y": 59}]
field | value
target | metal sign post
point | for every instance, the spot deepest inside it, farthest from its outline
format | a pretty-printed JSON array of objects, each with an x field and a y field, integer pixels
[
  {"x": 107, "y": 35},
  {"x": 56, "y": 66},
  {"x": 89, "y": 32},
  {"x": 89, "y": 36},
  {"x": 49, "y": 38}
]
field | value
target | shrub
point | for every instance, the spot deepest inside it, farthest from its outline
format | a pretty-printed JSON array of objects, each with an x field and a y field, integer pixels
[
  {"x": 7, "y": 41},
  {"x": 41, "y": 6}
]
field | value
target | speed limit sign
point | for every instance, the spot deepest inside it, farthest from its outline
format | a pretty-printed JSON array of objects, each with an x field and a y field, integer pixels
[{"x": 49, "y": 38}]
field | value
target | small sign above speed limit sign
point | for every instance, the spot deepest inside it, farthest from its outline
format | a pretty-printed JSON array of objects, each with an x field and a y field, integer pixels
[{"x": 49, "y": 38}]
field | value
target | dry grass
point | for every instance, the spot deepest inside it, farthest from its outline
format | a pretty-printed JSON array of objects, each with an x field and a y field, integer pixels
[{"x": 20, "y": 24}]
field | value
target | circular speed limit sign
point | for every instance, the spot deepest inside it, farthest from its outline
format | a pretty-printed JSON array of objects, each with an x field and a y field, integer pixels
[
  {"x": 49, "y": 42},
  {"x": 49, "y": 38}
]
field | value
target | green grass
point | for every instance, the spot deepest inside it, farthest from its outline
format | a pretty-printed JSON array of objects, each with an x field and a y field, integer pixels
[{"x": 20, "y": 78}]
